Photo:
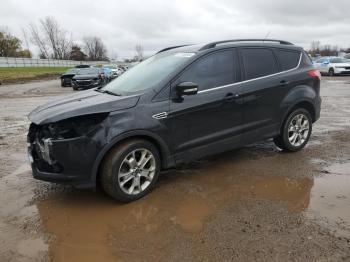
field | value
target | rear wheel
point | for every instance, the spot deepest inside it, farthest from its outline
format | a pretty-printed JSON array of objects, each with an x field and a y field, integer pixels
[
  {"x": 130, "y": 170},
  {"x": 331, "y": 72},
  {"x": 295, "y": 132},
  {"x": 62, "y": 83}
]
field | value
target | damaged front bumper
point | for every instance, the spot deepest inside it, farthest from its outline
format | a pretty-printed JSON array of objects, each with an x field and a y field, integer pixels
[{"x": 63, "y": 160}]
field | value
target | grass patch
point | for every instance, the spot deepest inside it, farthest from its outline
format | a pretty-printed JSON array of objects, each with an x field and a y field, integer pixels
[{"x": 22, "y": 74}]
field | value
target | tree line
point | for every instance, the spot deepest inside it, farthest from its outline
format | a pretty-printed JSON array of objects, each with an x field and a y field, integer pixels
[
  {"x": 317, "y": 49},
  {"x": 53, "y": 41}
]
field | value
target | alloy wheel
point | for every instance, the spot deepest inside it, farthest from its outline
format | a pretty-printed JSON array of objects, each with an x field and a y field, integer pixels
[
  {"x": 136, "y": 171},
  {"x": 298, "y": 130}
]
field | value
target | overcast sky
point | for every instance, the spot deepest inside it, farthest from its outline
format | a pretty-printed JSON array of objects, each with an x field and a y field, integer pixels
[{"x": 156, "y": 24}]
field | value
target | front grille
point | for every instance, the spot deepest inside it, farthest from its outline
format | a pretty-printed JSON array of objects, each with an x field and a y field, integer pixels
[{"x": 84, "y": 82}]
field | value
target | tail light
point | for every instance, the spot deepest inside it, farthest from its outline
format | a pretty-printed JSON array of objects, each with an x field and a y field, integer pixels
[{"x": 314, "y": 73}]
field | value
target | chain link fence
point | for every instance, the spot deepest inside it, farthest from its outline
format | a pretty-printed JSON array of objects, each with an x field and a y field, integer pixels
[{"x": 33, "y": 62}]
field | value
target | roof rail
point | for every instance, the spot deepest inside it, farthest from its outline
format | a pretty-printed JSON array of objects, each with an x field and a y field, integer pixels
[
  {"x": 213, "y": 44},
  {"x": 169, "y": 48}
]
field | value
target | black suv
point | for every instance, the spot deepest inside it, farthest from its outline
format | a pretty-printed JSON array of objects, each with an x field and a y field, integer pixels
[
  {"x": 88, "y": 77},
  {"x": 183, "y": 103}
]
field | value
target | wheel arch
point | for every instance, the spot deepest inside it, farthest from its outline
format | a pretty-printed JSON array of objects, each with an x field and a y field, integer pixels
[
  {"x": 166, "y": 159},
  {"x": 305, "y": 104}
]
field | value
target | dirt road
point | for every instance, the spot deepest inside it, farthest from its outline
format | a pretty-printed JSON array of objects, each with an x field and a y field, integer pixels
[{"x": 251, "y": 204}]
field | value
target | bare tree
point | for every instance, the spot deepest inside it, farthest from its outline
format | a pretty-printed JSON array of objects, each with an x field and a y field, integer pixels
[
  {"x": 39, "y": 41},
  {"x": 315, "y": 48},
  {"x": 51, "y": 39},
  {"x": 139, "y": 52},
  {"x": 95, "y": 48}
]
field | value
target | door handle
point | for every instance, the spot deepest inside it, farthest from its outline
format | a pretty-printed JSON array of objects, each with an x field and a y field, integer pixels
[
  {"x": 284, "y": 83},
  {"x": 230, "y": 96}
]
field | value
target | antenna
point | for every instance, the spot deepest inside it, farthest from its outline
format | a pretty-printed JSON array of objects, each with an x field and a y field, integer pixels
[{"x": 268, "y": 33}]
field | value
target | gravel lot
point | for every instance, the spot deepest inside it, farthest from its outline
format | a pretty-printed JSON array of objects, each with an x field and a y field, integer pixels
[{"x": 251, "y": 204}]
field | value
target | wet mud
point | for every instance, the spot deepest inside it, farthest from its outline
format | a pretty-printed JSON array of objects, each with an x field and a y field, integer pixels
[{"x": 251, "y": 204}]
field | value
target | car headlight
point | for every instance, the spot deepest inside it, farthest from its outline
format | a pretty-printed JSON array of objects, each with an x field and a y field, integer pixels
[{"x": 72, "y": 127}]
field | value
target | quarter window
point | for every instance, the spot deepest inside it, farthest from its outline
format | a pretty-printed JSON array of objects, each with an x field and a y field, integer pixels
[
  {"x": 287, "y": 59},
  {"x": 213, "y": 70},
  {"x": 258, "y": 62}
]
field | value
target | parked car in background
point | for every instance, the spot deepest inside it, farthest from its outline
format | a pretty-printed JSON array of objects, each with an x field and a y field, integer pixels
[
  {"x": 333, "y": 65},
  {"x": 108, "y": 74},
  {"x": 82, "y": 66},
  {"x": 88, "y": 78},
  {"x": 115, "y": 72},
  {"x": 347, "y": 56},
  {"x": 66, "y": 78},
  {"x": 181, "y": 104}
]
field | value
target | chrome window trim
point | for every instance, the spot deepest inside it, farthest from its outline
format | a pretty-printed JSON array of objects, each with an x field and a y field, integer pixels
[{"x": 250, "y": 80}]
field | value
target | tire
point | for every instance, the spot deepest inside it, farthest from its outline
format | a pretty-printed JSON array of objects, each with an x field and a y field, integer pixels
[
  {"x": 62, "y": 83},
  {"x": 123, "y": 178},
  {"x": 331, "y": 72},
  {"x": 75, "y": 88},
  {"x": 291, "y": 126}
]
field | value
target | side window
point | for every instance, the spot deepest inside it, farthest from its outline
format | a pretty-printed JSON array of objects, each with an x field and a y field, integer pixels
[
  {"x": 258, "y": 62},
  {"x": 320, "y": 61},
  {"x": 306, "y": 60},
  {"x": 213, "y": 70},
  {"x": 287, "y": 59}
]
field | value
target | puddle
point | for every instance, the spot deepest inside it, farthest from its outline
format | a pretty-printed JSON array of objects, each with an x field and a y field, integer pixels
[
  {"x": 90, "y": 226},
  {"x": 330, "y": 199}
]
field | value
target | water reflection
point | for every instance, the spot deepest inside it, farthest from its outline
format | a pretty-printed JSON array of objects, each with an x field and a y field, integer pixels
[{"x": 89, "y": 226}]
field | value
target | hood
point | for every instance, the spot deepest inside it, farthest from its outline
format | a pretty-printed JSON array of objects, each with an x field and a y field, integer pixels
[
  {"x": 67, "y": 75},
  {"x": 83, "y": 103},
  {"x": 82, "y": 77}
]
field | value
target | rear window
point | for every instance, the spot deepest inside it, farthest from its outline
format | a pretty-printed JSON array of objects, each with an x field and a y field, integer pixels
[
  {"x": 258, "y": 62},
  {"x": 287, "y": 59}
]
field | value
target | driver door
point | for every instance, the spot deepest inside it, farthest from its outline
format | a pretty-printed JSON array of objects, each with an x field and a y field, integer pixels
[{"x": 211, "y": 120}]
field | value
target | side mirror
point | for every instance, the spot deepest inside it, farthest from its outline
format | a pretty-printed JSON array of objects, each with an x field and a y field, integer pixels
[{"x": 186, "y": 88}]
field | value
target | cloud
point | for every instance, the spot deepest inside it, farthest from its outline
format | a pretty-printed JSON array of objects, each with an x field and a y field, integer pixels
[{"x": 156, "y": 24}]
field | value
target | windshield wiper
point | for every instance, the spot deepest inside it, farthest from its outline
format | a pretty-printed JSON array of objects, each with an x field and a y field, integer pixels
[{"x": 107, "y": 92}]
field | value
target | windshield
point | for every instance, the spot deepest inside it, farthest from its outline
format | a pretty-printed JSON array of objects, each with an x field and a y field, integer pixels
[
  {"x": 339, "y": 60},
  {"x": 88, "y": 71},
  {"x": 148, "y": 73}
]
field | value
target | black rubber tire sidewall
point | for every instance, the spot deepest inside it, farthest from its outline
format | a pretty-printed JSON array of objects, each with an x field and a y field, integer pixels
[
  {"x": 331, "y": 72},
  {"x": 111, "y": 164}
]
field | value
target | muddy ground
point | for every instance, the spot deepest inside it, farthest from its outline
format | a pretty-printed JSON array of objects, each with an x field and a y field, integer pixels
[{"x": 251, "y": 204}]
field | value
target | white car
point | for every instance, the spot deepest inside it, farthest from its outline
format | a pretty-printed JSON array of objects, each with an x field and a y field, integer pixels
[{"x": 333, "y": 65}]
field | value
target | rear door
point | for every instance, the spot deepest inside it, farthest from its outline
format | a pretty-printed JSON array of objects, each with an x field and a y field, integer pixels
[
  {"x": 213, "y": 115},
  {"x": 266, "y": 81}
]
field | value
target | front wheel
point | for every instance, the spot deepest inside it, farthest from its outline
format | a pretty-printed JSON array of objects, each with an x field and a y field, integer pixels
[
  {"x": 295, "y": 132},
  {"x": 331, "y": 72},
  {"x": 130, "y": 170}
]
